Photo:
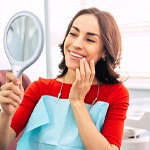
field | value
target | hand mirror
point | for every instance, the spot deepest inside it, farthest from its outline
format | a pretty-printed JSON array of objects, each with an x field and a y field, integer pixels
[{"x": 23, "y": 41}]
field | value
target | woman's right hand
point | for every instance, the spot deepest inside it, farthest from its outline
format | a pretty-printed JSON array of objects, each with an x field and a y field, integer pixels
[{"x": 11, "y": 94}]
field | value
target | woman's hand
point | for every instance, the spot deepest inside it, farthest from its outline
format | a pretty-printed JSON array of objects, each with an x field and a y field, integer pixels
[
  {"x": 11, "y": 94},
  {"x": 84, "y": 79}
]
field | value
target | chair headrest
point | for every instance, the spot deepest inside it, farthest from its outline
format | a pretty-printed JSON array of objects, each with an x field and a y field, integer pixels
[{"x": 25, "y": 79}]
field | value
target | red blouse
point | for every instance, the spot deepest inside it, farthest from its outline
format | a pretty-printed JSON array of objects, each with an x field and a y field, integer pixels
[{"x": 115, "y": 94}]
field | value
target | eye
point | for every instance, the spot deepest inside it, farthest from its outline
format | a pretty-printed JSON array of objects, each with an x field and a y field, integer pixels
[
  {"x": 90, "y": 40},
  {"x": 73, "y": 34}
]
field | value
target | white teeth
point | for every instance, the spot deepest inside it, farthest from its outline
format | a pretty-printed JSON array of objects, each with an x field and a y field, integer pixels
[{"x": 76, "y": 55}]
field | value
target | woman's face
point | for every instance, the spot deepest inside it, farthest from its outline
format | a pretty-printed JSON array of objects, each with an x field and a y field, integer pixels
[{"x": 83, "y": 41}]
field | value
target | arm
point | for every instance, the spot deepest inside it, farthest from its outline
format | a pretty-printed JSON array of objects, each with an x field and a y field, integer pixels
[
  {"x": 7, "y": 134},
  {"x": 10, "y": 99},
  {"x": 91, "y": 137}
]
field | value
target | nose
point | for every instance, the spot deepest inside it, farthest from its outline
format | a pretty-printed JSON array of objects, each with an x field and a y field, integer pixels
[{"x": 78, "y": 43}]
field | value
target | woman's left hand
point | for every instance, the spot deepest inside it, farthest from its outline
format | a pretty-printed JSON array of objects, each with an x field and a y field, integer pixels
[{"x": 84, "y": 79}]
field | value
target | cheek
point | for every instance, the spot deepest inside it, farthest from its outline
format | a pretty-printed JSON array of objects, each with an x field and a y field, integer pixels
[
  {"x": 95, "y": 54},
  {"x": 67, "y": 43},
  {"x": 68, "y": 40}
]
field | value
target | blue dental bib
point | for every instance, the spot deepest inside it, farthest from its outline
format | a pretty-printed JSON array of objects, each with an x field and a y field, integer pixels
[{"x": 52, "y": 125}]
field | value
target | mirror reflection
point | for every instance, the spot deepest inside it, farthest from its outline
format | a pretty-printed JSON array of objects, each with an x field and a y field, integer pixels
[
  {"x": 22, "y": 38},
  {"x": 23, "y": 41}
]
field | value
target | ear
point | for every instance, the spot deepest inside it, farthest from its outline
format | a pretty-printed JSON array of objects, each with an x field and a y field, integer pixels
[{"x": 103, "y": 54}]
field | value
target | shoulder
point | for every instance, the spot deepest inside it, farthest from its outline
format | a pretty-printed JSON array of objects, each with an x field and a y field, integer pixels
[
  {"x": 115, "y": 88},
  {"x": 114, "y": 92},
  {"x": 43, "y": 86},
  {"x": 42, "y": 82},
  {"x": 46, "y": 80}
]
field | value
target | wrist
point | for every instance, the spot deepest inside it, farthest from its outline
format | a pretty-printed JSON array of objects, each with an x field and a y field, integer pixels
[
  {"x": 77, "y": 103},
  {"x": 5, "y": 116}
]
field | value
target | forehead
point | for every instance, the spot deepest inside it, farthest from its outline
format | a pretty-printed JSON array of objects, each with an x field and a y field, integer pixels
[{"x": 87, "y": 23}]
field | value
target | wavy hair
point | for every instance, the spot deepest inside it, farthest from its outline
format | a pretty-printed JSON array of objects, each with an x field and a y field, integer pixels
[{"x": 111, "y": 38}]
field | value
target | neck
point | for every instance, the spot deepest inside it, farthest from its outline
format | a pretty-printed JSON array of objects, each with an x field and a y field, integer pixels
[{"x": 70, "y": 76}]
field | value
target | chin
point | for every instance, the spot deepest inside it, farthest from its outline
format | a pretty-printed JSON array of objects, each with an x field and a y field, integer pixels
[{"x": 73, "y": 66}]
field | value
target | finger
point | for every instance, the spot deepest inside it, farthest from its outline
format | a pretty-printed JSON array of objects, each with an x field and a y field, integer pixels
[
  {"x": 11, "y": 87},
  {"x": 87, "y": 71},
  {"x": 10, "y": 97},
  {"x": 92, "y": 67},
  {"x": 18, "y": 82},
  {"x": 78, "y": 77},
  {"x": 82, "y": 69},
  {"x": 9, "y": 101},
  {"x": 11, "y": 78}
]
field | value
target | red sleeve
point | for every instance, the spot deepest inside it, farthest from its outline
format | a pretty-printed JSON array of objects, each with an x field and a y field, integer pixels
[
  {"x": 25, "y": 109},
  {"x": 31, "y": 97},
  {"x": 118, "y": 100}
]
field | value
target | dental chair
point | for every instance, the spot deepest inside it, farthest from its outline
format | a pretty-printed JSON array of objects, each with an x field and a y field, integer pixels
[
  {"x": 25, "y": 79},
  {"x": 25, "y": 82}
]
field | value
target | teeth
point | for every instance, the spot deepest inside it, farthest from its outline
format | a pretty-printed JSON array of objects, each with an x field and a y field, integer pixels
[{"x": 76, "y": 55}]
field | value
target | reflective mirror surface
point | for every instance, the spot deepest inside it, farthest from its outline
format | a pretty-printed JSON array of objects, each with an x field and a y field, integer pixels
[
  {"x": 22, "y": 38},
  {"x": 23, "y": 41}
]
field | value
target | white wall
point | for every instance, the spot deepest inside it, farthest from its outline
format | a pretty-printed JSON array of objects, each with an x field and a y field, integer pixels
[{"x": 7, "y": 9}]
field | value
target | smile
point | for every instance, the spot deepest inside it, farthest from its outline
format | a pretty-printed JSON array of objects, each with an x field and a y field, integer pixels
[{"x": 76, "y": 55}]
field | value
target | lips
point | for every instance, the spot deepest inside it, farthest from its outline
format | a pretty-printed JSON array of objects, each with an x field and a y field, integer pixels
[{"x": 75, "y": 55}]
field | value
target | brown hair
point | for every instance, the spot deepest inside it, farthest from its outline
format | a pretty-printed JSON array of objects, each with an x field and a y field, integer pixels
[{"x": 111, "y": 39}]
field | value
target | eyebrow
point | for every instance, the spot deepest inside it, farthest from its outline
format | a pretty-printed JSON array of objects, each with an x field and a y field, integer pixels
[{"x": 88, "y": 33}]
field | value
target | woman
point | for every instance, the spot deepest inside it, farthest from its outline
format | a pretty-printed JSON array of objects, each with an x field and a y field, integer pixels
[{"x": 85, "y": 106}]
